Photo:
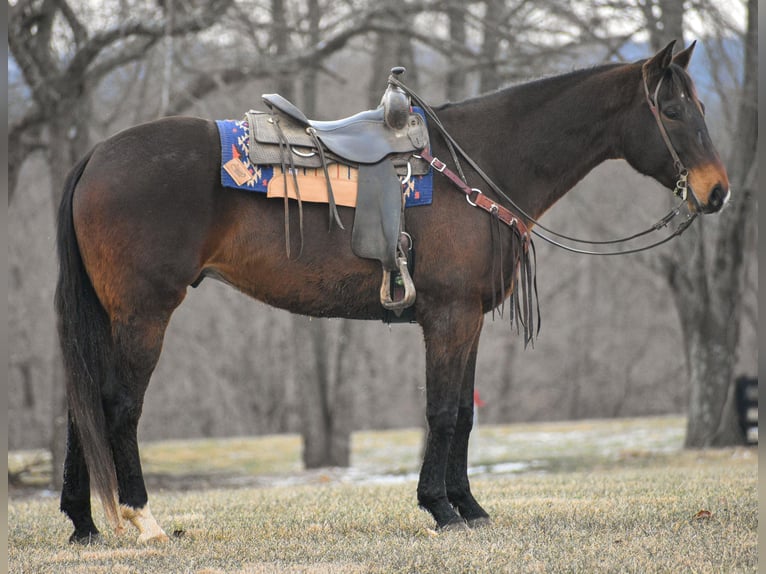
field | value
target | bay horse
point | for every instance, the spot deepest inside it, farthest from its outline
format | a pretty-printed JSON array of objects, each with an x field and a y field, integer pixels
[{"x": 144, "y": 216}]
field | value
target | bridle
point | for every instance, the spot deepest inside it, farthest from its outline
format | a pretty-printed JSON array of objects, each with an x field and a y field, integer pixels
[
  {"x": 477, "y": 199},
  {"x": 682, "y": 186}
]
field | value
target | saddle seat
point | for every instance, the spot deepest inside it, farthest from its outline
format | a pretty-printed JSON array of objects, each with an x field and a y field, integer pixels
[{"x": 363, "y": 138}]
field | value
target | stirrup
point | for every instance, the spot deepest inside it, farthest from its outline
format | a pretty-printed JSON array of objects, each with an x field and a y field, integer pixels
[{"x": 409, "y": 287}]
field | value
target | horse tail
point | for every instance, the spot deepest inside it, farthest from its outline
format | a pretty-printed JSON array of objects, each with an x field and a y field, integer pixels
[{"x": 86, "y": 345}]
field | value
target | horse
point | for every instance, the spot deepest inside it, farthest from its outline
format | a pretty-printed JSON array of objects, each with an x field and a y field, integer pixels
[{"x": 144, "y": 216}]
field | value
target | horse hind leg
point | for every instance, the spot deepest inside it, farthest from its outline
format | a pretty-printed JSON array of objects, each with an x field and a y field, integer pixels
[
  {"x": 75, "y": 494},
  {"x": 137, "y": 349}
]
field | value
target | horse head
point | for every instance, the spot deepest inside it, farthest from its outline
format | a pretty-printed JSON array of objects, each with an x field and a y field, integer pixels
[{"x": 668, "y": 138}]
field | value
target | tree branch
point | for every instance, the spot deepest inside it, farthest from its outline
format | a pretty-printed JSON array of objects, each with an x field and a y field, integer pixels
[
  {"x": 209, "y": 80},
  {"x": 79, "y": 32},
  {"x": 135, "y": 51},
  {"x": 153, "y": 30}
]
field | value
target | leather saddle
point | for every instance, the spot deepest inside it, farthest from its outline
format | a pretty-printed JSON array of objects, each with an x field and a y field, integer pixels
[
  {"x": 363, "y": 138},
  {"x": 382, "y": 144}
]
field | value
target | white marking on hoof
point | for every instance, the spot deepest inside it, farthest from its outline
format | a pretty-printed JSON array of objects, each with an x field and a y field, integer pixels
[{"x": 141, "y": 518}]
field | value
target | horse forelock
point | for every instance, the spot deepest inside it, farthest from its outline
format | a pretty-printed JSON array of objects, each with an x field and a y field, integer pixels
[{"x": 683, "y": 84}]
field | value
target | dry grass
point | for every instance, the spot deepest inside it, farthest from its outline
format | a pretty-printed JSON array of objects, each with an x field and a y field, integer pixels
[{"x": 628, "y": 510}]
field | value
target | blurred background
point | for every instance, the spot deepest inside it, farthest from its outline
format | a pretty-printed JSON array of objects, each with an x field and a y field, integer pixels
[{"x": 667, "y": 331}]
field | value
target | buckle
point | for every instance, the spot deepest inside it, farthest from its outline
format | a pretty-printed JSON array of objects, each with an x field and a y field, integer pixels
[{"x": 438, "y": 165}]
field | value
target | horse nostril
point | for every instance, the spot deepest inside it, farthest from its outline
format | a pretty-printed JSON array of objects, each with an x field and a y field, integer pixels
[{"x": 716, "y": 197}]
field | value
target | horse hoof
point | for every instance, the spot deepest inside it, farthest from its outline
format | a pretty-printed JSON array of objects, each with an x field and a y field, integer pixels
[
  {"x": 480, "y": 522},
  {"x": 454, "y": 525},
  {"x": 158, "y": 538},
  {"x": 85, "y": 538}
]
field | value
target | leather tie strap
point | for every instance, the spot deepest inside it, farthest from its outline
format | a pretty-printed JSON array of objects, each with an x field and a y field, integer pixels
[{"x": 475, "y": 197}]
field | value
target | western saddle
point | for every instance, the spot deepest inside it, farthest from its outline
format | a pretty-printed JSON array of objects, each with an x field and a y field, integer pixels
[{"x": 382, "y": 144}]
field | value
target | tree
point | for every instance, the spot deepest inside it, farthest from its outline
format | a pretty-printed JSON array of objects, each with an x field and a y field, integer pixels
[
  {"x": 326, "y": 393},
  {"x": 490, "y": 47},
  {"x": 61, "y": 86},
  {"x": 393, "y": 47},
  {"x": 705, "y": 270},
  {"x": 456, "y": 86}
]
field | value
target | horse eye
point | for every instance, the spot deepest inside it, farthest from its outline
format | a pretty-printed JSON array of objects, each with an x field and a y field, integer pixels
[{"x": 672, "y": 113}]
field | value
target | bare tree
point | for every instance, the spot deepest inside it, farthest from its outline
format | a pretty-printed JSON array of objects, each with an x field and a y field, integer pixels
[
  {"x": 705, "y": 272},
  {"x": 57, "y": 121},
  {"x": 280, "y": 40},
  {"x": 490, "y": 47},
  {"x": 311, "y": 76},
  {"x": 326, "y": 394}
]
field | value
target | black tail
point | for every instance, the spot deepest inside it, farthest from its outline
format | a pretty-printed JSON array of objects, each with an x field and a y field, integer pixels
[{"x": 86, "y": 345}]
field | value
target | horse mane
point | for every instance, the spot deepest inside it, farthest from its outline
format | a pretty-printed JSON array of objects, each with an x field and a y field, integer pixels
[{"x": 532, "y": 88}]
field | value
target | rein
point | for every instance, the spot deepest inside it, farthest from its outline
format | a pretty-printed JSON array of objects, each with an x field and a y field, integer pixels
[{"x": 482, "y": 201}]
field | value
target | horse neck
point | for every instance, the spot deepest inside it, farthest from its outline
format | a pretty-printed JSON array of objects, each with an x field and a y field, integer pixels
[{"x": 537, "y": 140}]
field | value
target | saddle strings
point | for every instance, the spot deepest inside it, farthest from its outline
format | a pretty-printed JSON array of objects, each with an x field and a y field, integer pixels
[
  {"x": 284, "y": 150},
  {"x": 454, "y": 148},
  {"x": 333, "y": 215}
]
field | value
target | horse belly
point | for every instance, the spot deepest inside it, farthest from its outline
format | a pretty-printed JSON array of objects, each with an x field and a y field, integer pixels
[{"x": 321, "y": 278}]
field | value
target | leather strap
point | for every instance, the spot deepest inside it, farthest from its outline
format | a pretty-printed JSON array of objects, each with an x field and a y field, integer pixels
[
  {"x": 524, "y": 298},
  {"x": 681, "y": 189},
  {"x": 475, "y": 197}
]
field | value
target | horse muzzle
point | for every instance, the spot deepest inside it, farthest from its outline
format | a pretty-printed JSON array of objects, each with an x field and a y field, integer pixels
[{"x": 709, "y": 187}]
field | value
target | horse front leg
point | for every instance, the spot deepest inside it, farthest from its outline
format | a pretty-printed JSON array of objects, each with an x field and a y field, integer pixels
[
  {"x": 450, "y": 335},
  {"x": 458, "y": 487}
]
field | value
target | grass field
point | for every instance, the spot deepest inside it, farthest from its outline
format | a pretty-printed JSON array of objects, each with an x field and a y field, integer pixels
[{"x": 588, "y": 496}]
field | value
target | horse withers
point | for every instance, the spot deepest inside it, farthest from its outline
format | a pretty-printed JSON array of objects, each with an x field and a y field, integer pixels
[{"x": 144, "y": 216}]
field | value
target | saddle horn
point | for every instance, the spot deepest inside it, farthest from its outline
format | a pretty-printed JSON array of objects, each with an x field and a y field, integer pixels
[{"x": 395, "y": 102}]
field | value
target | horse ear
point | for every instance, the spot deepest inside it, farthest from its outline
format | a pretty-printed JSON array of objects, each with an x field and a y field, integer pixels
[
  {"x": 661, "y": 60},
  {"x": 655, "y": 67},
  {"x": 683, "y": 57}
]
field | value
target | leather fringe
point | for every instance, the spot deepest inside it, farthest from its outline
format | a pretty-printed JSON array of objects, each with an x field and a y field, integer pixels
[
  {"x": 284, "y": 152},
  {"x": 524, "y": 301},
  {"x": 286, "y": 158}
]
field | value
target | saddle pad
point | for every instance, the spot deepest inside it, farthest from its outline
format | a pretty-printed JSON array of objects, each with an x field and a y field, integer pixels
[{"x": 238, "y": 173}]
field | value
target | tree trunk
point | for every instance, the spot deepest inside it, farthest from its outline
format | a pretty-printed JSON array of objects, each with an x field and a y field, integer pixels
[
  {"x": 326, "y": 400},
  {"x": 456, "y": 85},
  {"x": 488, "y": 79},
  {"x": 664, "y": 22},
  {"x": 167, "y": 70},
  {"x": 311, "y": 75},
  {"x": 280, "y": 41},
  {"x": 706, "y": 278},
  {"x": 392, "y": 48}
]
